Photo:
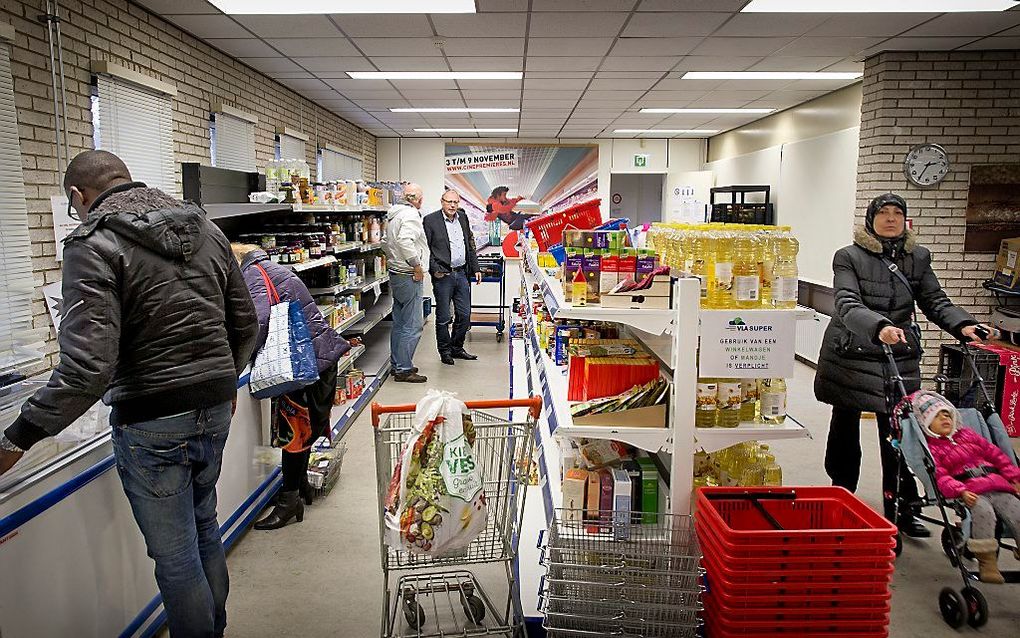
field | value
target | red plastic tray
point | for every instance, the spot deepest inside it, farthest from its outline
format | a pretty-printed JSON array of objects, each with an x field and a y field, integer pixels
[
  {"x": 716, "y": 618},
  {"x": 878, "y": 611},
  {"x": 723, "y": 632},
  {"x": 831, "y": 601},
  {"x": 821, "y": 582},
  {"x": 815, "y": 515}
]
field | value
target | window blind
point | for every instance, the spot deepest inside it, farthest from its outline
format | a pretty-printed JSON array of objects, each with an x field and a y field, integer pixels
[
  {"x": 19, "y": 343},
  {"x": 290, "y": 147},
  {"x": 334, "y": 165},
  {"x": 233, "y": 142},
  {"x": 136, "y": 124}
]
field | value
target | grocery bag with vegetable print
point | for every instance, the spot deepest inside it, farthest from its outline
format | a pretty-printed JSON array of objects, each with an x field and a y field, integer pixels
[{"x": 435, "y": 504}]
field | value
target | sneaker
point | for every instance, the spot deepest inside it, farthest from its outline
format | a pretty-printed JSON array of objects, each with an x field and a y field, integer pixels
[{"x": 410, "y": 377}]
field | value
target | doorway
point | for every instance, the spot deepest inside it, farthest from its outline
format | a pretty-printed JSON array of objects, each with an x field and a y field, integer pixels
[{"x": 636, "y": 196}]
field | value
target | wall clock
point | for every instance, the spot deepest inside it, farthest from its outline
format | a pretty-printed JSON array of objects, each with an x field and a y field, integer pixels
[{"x": 926, "y": 165}]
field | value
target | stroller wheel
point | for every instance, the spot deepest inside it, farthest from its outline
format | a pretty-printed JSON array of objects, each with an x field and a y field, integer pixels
[
  {"x": 950, "y": 538},
  {"x": 899, "y": 544},
  {"x": 953, "y": 607},
  {"x": 977, "y": 607}
]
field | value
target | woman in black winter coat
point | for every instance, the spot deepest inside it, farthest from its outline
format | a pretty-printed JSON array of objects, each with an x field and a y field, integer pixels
[{"x": 875, "y": 306}]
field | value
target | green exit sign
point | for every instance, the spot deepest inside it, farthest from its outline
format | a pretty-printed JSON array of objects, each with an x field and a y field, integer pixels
[{"x": 640, "y": 161}]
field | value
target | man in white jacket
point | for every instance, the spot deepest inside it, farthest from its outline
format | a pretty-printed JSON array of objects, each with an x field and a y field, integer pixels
[{"x": 406, "y": 255}]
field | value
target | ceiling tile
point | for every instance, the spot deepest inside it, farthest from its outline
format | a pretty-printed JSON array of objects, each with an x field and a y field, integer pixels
[
  {"x": 368, "y": 25},
  {"x": 411, "y": 64},
  {"x": 616, "y": 95},
  {"x": 532, "y": 84},
  {"x": 665, "y": 25},
  {"x": 692, "y": 5},
  {"x": 639, "y": 64},
  {"x": 336, "y": 67},
  {"x": 715, "y": 63},
  {"x": 720, "y": 46},
  {"x": 437, "y": 102},
  {"x": 271, "y": 65},
  {"x": 493, "y": 25},
  {"x": 561, "y": 94},
  {"x": 988, "y": 44},
  {"x": 580, "y": 5},
  {"x": 306, "y": 85},
  {"x": 967, "y": 24},
  {"x": 781, "y": 63},
  {"x": 494, "y": 95},
  {"x": 786, "y": 98},
  {"x": 678, "y": 96},
  {"x": 770, "y": 24},
  {"x": 651, "y": 75},
  {"x": 869, "y": 24},
  {"x": 489, "y": 85},
  {"x": 621, "y": 83},
  {"x": 424, "y": 85},
  {"x": 380, "y": 104},
  {"x": 577, "y": 25},
  {"x": 449, "y": 95},
  {"x": 569, "y": 46},
  {"x": 753, "y": 85},
  {"x": 847, "y": 65},
  {"x": 675, "y": 84},
  {"x": 484, "y": 46},
  {"x": 178, "y": 7},
  {"x": 817, "y": 85},
  {"x": 391, "y": 47},
  {"x": 486, "y": 63},
  {"x": 654, "y": 46},
  {"x": 903, "y": 43},
  {"x": 209, "y": 26},
  {"x": 829, "y": 46},
  {"x": 493, "y": 103},
  {"x": 286, "y": 26},
  {"x": 538, "y": 63},
  {"x": 501, "y": 6},
  {"x": 313, "y": 47},
  {"x": 365, "y": 94},
  {"x": 293, "y": 75},
  {"x": 243, "y": 47}
]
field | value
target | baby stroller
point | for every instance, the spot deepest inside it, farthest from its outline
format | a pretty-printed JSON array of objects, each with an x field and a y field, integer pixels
[{"x": 968, "y": 605}]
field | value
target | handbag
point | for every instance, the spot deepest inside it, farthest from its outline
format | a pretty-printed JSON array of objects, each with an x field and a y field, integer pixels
[
  {"x": 286, "y": 361},
  {"x": 291, "y": 426}
]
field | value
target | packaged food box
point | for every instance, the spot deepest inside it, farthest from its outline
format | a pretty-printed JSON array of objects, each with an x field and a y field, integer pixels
[
  {"x": 574, "y": 483},
  {"x": 649, "y": 491},
  {"x": 594, "y": 496},
  {"x": 1007, "y": 269},
  {"x": 633, "y": 469},
  {"x": 621, "y": 504},
  {"x": 602, "y": 452}
]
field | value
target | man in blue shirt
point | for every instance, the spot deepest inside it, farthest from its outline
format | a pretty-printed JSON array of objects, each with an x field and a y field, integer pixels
[{"x": 453, "y": 263}]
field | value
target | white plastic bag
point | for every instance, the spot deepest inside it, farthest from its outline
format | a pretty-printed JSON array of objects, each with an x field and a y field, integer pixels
[{"x": 435, "y": 504}]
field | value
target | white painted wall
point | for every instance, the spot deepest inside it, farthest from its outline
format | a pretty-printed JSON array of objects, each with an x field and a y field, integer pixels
[{"x": 624, "y": 151}]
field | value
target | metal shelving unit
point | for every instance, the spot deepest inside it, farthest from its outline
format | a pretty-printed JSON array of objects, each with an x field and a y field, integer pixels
[
  {"x": 222, "y": 211},
  {"x": 347, "y": 323}
]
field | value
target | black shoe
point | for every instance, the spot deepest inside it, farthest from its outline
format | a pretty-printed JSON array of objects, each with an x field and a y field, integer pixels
[
  {"x": 464, "y": 354},
  {"x": 447, "y": 359},
  {"x": 307, "y": 492},
  {"x": 410, "y": 377},
  {"x": 288, "y": 506},
  {"x": 912, "y": 526}
]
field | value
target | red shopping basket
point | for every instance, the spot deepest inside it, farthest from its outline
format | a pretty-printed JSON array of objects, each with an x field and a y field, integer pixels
[
  {"x": 548, "y": 229},
  {"x": 720, "y": 619},
  {"x": 867, "y": 610}
]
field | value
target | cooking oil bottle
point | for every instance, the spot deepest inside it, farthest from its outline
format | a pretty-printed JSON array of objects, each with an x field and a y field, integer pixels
[
  {"x": 721, "y": 284},
  {"x": 748, "y": 400},
  {"x": 784, "y": 274},
  {"x": 773, "y": 401},
  {"x": 706, "y": 413},
  {"x": 766, "y": 265},
  {"x": 728, "y": 393},
  {"x": 746, "y": 276},
  {"x": 698, "y": 245}
]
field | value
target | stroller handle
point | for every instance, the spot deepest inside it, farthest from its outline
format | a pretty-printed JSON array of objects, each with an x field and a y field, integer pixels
[{"x": 897, "y": 378}]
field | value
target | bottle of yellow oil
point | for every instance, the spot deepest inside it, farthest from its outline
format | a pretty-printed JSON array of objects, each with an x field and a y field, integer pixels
[
  {"x": 766, "y": 265},
  {"x": 698, "y": 259},
  {"x": 784, "y": 273},
  {"x": 773, "y": 401},
  {"x": 720, "y": 293},
  {"x": 706, "y": 414},
  {"x": 728, "y": 392},
  {"x": 748, "y": 400},
  {"x": 746, "y": 276}
]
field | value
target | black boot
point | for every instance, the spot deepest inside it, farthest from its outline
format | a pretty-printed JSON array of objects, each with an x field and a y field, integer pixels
[
  {"x": 288, "y": 506},
  {"x": 307, "y": 492}
]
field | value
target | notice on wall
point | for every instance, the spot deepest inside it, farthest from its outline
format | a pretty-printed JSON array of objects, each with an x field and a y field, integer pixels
[
  {"x": 489, "y": 160},
  {"x": 747, "y": 344},
  {"x": 54, "y": 298},
  {"x": 63, "y": 223}
]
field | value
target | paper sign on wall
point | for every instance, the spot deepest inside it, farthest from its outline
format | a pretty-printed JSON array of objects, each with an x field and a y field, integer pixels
[
  {"x": 63, "y": 223},
  {"x": 747, "y": 344},
  {"x": 54, "y": 298}
]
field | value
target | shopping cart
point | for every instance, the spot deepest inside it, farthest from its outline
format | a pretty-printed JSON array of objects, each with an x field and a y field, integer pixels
[
  {"x": 493, "y": 270},
  {"x": 426, "y": 598}
]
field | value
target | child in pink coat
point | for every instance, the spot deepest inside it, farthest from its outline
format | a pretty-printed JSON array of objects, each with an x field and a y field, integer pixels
[{"x": 971, "y": 468}]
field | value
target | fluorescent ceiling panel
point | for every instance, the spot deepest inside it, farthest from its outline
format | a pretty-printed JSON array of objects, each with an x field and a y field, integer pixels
[
  {"x": 465, "y": 130},
  {"x": 455, "y": 109},
  {"x": 876, "y": 6},
  {"x": 665, "y": 131},
  {"x": 272, "y": 7},
  {"x": 738, "y": 111},
  {"x": 769, "y": 75},
  {"x": 436, "y": 75}
]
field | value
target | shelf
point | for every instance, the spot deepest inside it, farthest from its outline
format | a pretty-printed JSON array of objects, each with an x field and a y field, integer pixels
[
  {"x": 320, "y": 208},
  {"x": 347, "y": 323},
  {"x": 326, "y": 309},
  {"x": 365, "y": 287},
  {"x": 1000, "y": 289},
  {"x": 714, "y": 439},
  {"x": 350, "y": 246},
  {"x": 647, "y": 439},
  {"x": 339, "y": 288},
  {"x": 348, "y": 359},
  {"x": 372, "y": 317},
  {"x": 365, "y": 248},
  {"x": 308, "y": 265},
  {"x": 222, "y": 211}
]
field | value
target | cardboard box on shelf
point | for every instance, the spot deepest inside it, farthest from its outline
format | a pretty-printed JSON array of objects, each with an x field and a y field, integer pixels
[
  {"x": 657, "y": 296},
  {"x": 649, "y": 491},
  {"x": 653, "y": 416},
  {"x": 621, "y": 504},
  {"x": 574, "y": 483},
  {"x": 1007, "y": 268}
]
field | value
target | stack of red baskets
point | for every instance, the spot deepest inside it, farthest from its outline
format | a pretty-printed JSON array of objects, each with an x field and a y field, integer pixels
[{"x": 804, "y": 561}]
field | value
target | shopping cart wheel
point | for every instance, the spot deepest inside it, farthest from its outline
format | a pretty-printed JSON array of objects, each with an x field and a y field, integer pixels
[
  {"x": 953, "y": 607},
  {"x": 899, "y": 544},
  {"x": 414, "y": 613},
  {"x": 474, "y": 608},
  {"x": 499, "y": 337},
  {"x": 950, "y": 544},
  {"x": 977, "y": 607}
]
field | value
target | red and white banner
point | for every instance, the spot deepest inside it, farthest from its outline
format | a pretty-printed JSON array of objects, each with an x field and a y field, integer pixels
[
  {"x": 487, "y": 161},
  {"x": 1009, "y": 359}
]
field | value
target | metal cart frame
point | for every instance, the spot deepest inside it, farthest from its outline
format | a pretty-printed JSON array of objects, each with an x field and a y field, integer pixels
[
  {"x": 502, "y": 451},
  {"x": 501, "y": 309}
]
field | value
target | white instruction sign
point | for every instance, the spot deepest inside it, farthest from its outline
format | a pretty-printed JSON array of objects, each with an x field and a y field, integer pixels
[
  {"x": 63, "y": 223},
  {"x": 747, "y": 344}
]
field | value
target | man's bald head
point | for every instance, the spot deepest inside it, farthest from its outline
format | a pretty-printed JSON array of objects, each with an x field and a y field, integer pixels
[
  {"x": 413, "y": 195},
  {"x": 95, "y": 171}
]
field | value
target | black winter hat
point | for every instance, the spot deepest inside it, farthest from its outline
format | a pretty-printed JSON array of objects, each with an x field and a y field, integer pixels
[{"x": 877, "y": 204}]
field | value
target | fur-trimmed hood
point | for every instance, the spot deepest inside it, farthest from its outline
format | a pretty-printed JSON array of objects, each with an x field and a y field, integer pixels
[
  {"x": 149, "y": 217},
  {"x": 872, "y": 244}
]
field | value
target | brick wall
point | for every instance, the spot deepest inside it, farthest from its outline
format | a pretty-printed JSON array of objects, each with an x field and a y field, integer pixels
[
  {"x": 969, "y": 102},
  {"x": 128, "y": 35}
]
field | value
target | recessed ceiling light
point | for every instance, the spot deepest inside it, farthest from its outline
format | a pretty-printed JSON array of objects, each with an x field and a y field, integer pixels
[
  {"x": 435, "y": 75},
  {"x": 665, "y": 131},
  {"x": 876, "y": 6},
  {"x": 769, "y": 75},
  {"x": 741, "y": 111},
  {"x": 465, "y": 130},
  {"x": 267, "y": 7},
  {"x": 454, "y": 109}
]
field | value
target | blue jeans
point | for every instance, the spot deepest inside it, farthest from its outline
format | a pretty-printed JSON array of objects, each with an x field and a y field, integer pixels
[
  {"x": 452, "y": 288},
  {"x": 408, "y": 321},
  {"x": 169, "y": 468}
]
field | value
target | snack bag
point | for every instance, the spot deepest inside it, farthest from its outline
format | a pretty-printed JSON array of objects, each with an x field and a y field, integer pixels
[{"x": 435, "y": 504}]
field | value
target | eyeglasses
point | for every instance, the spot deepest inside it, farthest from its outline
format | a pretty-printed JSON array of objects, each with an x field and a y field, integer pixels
[
  {"x": 450, "y": 201},
  {"x": 71, "y": 212}
]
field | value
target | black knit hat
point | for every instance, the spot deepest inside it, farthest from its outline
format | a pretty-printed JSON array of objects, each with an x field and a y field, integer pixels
[{"x": 877, "y": 204}]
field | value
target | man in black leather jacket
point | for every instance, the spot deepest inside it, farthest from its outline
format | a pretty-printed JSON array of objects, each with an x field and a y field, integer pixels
[{"x": 157, "y": 321}]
